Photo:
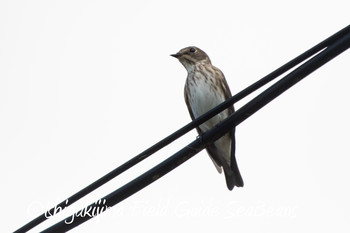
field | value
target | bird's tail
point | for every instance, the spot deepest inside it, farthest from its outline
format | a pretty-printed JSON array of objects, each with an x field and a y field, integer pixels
[
  {"x": 233, "y": 178},
  {"x": 232, "y": 174}
]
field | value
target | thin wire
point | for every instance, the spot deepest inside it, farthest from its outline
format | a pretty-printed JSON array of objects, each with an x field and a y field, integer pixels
[
  {"x": 207, "y": 138},
  {"x": 148, "y": 152}
]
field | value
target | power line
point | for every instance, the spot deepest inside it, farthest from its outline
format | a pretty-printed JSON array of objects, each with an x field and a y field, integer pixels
[{"x": 330, "y": 48}]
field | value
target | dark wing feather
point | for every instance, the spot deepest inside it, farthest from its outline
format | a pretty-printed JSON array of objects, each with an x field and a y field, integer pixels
[
  {"x": 211, "y": 149},
  {"x": 233, "y": 178}
]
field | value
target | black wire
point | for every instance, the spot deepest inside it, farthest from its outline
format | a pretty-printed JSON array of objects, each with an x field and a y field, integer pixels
[
  {"x": 109, "y": 176},
  {"x": 207, "y": 138}
]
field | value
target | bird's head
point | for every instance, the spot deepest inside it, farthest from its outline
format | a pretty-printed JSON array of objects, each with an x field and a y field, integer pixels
[{"x": 190, "y": 56}]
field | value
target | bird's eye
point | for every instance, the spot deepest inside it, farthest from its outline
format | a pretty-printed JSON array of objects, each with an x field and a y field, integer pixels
[{"x": 192, "y": 50}]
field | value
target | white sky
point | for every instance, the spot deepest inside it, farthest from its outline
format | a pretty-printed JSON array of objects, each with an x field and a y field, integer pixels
[{"x": 86, "y": 85}]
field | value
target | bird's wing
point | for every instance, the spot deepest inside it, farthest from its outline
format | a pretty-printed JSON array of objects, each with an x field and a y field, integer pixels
[
  {"x": 234, "y": 179},
  {"x": 211, "y": 149}
]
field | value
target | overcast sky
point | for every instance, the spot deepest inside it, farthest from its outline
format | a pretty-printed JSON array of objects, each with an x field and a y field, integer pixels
[{"x": 87, "y": 85}]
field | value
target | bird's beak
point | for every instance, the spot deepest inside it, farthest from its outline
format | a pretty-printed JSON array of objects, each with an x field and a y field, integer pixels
[{"x": 177, "y": 55}]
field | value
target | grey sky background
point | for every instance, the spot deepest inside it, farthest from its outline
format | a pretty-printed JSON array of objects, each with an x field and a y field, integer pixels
[{"x": 87, "y": 85}]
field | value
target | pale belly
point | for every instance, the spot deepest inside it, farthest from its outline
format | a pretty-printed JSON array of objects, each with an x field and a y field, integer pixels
[{"x": 202, "y": 99}]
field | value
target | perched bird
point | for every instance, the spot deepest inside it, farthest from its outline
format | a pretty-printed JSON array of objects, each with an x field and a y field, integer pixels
[{"x": 205, "y": 88}]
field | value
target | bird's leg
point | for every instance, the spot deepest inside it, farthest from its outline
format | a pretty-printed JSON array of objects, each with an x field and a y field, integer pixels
[{"x": 199, "y": 136}]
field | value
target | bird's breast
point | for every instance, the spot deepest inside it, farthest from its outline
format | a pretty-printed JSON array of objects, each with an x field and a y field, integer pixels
[{"x": 202, "y": 96}]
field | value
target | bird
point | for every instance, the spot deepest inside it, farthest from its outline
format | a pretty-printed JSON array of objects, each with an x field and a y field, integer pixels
[{"x": 205, "y": 88}]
